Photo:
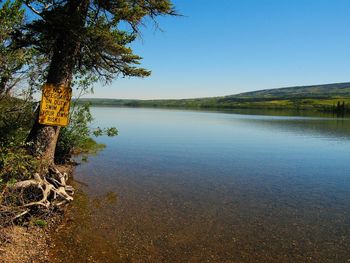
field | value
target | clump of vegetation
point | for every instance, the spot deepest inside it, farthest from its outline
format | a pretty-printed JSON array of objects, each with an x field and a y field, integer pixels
[
  {"x": 16, "y": 165},
  {"x": 76, "y": 138},
  {"x": 16, "y": 119},
  {"x": 40, "y": 222}
]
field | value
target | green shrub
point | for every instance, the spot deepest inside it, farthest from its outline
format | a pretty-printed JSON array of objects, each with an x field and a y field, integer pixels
[
  {"x": 16, "y": 120},
  {"x": 16, "y": 165},
  {"x": 77, "y": 136}
]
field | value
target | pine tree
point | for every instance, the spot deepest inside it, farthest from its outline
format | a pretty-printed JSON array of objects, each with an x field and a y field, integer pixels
[{"x": 86, "y": 38}]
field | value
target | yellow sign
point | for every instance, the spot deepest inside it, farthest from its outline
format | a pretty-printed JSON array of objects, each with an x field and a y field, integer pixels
[{"x": 54, "y": 106}]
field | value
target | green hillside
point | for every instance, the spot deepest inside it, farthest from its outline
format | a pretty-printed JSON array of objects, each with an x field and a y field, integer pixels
[
  {"x": 314, "y": 91},
  {"x": 329, "y": 97}
]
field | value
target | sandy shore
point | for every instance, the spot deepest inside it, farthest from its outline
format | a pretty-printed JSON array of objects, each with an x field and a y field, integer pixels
[{"x": 24, "y": 245}]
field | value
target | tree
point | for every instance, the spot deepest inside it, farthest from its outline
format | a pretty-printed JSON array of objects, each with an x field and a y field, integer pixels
[
  {"x": 12, "y": 59},
  {"x": 84, "y": 38}
]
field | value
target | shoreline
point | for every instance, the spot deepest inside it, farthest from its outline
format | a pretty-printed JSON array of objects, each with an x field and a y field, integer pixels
[{"x": 32, "y": 243}]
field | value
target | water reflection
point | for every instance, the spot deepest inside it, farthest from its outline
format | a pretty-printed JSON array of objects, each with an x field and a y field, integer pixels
[
  {"x": 338, "y": 128},
  {"x": 183, "y": 186}
]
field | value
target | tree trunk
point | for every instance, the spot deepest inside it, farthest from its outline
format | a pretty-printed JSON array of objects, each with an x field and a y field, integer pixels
[{"x": 43, "y": 138}]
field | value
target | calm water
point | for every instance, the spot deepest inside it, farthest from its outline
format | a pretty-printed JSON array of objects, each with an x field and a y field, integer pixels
[{"x": 191, "y": 186}]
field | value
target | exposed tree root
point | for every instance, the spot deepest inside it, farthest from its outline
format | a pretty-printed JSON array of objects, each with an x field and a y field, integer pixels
[{"x": 40, "y": 193}]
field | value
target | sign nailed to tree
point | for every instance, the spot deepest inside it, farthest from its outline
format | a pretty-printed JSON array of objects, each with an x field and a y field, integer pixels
[{"x": 54, "y": 106}]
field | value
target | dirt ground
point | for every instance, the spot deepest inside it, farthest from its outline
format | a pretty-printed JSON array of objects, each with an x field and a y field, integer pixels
[
  {"x": 24, "y": 245},
  {"x": 30, "y": 244}
]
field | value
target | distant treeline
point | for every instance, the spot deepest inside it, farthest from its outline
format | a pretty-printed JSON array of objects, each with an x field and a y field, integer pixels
[
  {"x": 331, "y": 105},
  {"x": 332, "y": 98}
]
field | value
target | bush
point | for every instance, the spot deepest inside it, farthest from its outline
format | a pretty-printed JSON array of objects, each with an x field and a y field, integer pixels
[
  {"x": 16, "y": 119},
  {"x": 16, "y": 165}
]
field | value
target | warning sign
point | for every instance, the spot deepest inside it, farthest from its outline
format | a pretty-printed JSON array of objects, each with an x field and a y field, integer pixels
[{"x": 54, "y": 106}]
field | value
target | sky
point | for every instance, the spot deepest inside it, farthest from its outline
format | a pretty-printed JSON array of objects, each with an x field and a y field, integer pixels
[{"x": 226, "y": 47}]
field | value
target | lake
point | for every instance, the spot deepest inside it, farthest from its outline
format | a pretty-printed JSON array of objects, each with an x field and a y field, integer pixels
[{"x": 196, "y": 186}]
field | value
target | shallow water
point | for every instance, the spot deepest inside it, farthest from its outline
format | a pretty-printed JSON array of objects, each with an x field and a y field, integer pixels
[{"x": 192, "y": 186}]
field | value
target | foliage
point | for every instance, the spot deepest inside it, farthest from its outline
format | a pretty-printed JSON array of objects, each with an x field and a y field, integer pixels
[
  {"x": 16, "y": 118},
  {"x": 16, "y": 164},
  {"x": 12, "y": 58},
  {"x": 76, "y": 137},
  {"x": 102, "y": 30},
  {"x": 40, "y": 222}
]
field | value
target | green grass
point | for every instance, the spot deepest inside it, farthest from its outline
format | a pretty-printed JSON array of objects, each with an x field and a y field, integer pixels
[{"x": 40, "y": 223}]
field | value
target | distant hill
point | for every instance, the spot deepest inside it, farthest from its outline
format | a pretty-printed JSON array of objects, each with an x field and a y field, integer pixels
[
  {"x": 328, "y": 97},
  {"x": 326, "y": 90}
]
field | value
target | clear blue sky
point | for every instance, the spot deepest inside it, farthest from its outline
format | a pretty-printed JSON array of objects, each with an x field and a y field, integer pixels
[{"x": 225, "y": 47}]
